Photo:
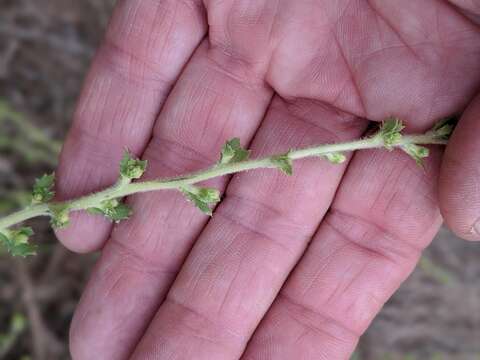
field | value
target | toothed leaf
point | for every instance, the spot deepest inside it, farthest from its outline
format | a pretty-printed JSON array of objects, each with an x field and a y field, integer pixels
[
  {"x": 16, "y": 242},
  {"x": 233, "y": 152},
  {"x": 209, "y": 195},
  {"x": 418, "y": 153},
  {"x": 119, "y": 213},
  {"x": 203, "y": 198},
  {"x": 43, "y": 189},
  {"x": 336, "y": 157},
  {"x": 24, "y": 250},
  {"x": 60, "y": 216},
  {"x": 131, "y": 168},
  {"x": 391, "y": 132},
  {"x": 284, "y": 163},
  {"x": 113, "y": 209}
]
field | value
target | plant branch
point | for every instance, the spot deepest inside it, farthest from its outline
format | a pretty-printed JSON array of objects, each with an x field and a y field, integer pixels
[{"x": 234, "y": 159}]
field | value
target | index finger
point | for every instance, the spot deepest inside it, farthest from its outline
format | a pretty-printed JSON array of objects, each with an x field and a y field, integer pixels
[{"x": 146, "y": 46}]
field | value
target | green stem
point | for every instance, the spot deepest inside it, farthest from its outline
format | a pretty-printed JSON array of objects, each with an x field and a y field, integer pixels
[{"x": 122, "y": 188}]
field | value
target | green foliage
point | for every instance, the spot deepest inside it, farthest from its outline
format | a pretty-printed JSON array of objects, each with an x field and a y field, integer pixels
[
  {"x": 16, "y": 242},
  {"x": 336, "y": 157},
  {"x": 43, "y": 189},
  {"x": 417, "y": 152},
  {"x": 283, "y": 163},
  {"x": 109, "y": 202},
  {"x": 391, "y": 132},
  {"x": 233, "y": 152},
  {"x": 113, "y": 209},
  {"x": 131, "y": 168},
  {"x": 443, "y": 129},
  {"x": 18, "y": 324},
  {"x": 60, "y": 215},
  {"x": 203, "y": 198}
]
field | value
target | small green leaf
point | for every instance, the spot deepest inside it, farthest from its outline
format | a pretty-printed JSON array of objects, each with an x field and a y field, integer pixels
[
  {"x": 43, "y": 189},
  {"x": 113, "y": 210},
  {"x": 119, "y": 213},
  {"x": 16, "y": 242},
  {"x": 203, "y": 198},
  {"x": 95, "y": 211},
  {"x": 233, "y": 152},
  {"x": 60, "y": 215},
  {"x": 209, "y": 195},
  {"x": 21, "y": 236},
  {"x": 283, "y": 163},
  {"x": 418, "y": 153},
  {"x": 4, "y": 240},
  {"x": 203, "y": 206},
  {"x": 131, "y": 168},
  {"x": 443, "y": 129},
  {"x": 391, "y": 132},
  {"x": 336, "y": 157},
  {"x": 24, "y": 250}
]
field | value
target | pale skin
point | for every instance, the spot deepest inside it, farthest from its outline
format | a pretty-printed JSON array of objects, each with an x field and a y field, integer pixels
[{"x": 288, "y": 267}]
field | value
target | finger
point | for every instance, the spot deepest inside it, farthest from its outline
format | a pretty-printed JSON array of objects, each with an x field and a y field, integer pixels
[
  {"x": 470, "y": 8},
  {"x": 214, "y": 304},
  {"x": 211, "y": 103},
  {"x": 145, "y": 48},
  {"x": 460, "y": 176},
  {"x": 384, "y": 214}
]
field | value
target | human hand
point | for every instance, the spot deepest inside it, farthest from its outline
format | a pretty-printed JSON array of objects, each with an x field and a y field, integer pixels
[{"x": 277, "y": 74}]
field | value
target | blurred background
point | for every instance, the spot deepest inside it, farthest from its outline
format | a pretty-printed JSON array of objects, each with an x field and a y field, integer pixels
[{"x": 45, "y": 49}]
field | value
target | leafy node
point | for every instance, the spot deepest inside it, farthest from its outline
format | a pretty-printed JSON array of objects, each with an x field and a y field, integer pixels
[
  {"x": 336, "y": 157},
  {"x": 203, "y": 198},
  {"x": 233, "y": 152},
  {"x": 16, "y": 242},
  {"x": 60, "y": 215},
  {"x": 417, "y": 152},
  {"x": 43, "y": 189},
  {"x": 132, "y": 168},
  {"x": 443, "y": 129},
  {"x": 113, "y": 209},
  {"x": 391, "y": 132},
  {"x": 284, "y": 163}
]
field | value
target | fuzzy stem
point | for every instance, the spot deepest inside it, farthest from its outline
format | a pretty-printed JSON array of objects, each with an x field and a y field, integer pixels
[{"x": 122, "y": 188}]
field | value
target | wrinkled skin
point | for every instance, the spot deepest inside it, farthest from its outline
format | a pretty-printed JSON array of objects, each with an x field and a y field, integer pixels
[{"x": 288, "y": 267}]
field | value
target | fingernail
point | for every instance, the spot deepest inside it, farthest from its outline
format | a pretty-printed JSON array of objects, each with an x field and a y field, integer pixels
[{"x": 476, "y": 228}]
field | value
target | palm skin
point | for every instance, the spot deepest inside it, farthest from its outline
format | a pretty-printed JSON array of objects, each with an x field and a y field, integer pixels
[{"x": 288, "y": 268}]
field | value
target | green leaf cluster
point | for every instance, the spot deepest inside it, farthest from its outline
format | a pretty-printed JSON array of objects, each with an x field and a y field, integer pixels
[
  {"x": 284, "y": 163},
  {"x": 131, "y": 168},
  {"x": 391, "y": 132},
  {"x": 43, "y": 189},
  {"x": 16, "y": 242},
  {"x": 113, "y": 209},
  {"x": 203, "y": 198},
  {"x": 336, "y": 157},
  {"x": 417, "y": 152},
  {"x": 60, "y": 215},
  {"x": 443, "y": 129},
  {"x": 233, "y": 152}
]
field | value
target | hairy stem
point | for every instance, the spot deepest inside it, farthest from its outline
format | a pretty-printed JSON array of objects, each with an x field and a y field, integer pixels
[{"x": 124, "y": 188}]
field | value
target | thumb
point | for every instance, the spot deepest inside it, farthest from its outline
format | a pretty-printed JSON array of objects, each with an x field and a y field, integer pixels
[{"x": 460, "y": 176}]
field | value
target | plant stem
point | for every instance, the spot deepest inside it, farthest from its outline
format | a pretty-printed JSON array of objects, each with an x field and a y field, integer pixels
[{"x": 122, "y": 188}]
